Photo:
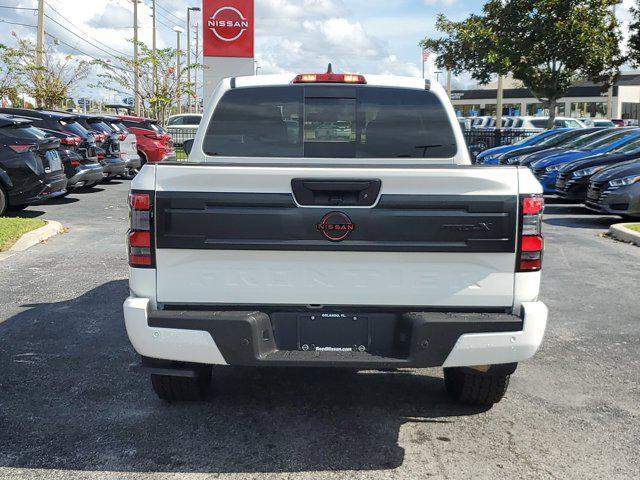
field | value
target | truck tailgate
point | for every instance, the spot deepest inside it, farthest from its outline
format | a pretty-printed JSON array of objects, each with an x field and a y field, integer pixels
[{"x": 433, "y": 236}]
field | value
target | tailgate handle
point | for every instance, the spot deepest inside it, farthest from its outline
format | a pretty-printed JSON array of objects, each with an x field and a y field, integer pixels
[{"x": 344, "y": 193}]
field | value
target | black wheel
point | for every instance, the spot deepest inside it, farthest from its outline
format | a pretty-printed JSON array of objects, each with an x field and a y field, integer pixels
[
  {"x": 3, "y": 202},
  {"x": 475, "y": 388},
  {"x": 182, "y": 389}
]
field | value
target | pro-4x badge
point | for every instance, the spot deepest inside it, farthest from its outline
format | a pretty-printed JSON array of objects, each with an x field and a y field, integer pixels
[{"x": 336, "y": 226}]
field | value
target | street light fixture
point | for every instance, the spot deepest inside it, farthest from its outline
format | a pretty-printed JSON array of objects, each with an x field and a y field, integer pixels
[
  {"x": 178, "y": 31},
  {"x": 189, "y": 10}
]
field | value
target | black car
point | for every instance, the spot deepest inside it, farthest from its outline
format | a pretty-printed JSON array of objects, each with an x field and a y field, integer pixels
[
  {"x": 77, "y": 145},
  {"x": 510, "y": 158},
  {"x": 616, "y": 190},
  {"x": 30, "y": 166},
  {"x": 108, "y": 145},
  {"x": 573, "y": 178}
]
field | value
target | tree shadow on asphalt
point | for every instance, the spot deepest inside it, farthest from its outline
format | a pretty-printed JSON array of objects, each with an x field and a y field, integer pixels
[{"x": 74, "y": 397}]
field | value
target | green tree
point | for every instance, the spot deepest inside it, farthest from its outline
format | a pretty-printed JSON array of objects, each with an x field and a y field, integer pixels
[
  {"x": 9, "y": 75},
  {"x": 546, "y": 44},
  {"x": 117, "y": 75},
  {"x": 634, "y": 35},
  {"x": 52, "y": 83}
]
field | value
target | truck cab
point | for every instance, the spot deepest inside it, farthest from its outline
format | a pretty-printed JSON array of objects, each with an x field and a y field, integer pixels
[{"x": 334, "y": 220}]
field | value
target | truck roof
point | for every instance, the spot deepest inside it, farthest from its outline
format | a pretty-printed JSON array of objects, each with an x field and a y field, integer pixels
[{"x": 372, "y": 80}]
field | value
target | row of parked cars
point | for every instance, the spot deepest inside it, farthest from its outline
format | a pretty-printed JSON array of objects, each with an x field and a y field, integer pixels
[
  {"x": 599, "y": 167},
  {"x": 45, "y": 154},
  {"x": 540, "y": 123}
]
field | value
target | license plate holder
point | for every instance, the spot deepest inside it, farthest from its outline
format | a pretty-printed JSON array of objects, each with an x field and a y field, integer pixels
[
  {"x": 334, "y": 332},
  {"x": 53, "y": 158}
]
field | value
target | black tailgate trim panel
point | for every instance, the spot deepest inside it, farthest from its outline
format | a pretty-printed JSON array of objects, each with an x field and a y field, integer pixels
[{"x": 398, "y": 223}]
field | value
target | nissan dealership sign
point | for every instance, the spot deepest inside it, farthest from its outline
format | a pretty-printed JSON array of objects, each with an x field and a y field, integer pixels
[{"x": 228, "y": 28}]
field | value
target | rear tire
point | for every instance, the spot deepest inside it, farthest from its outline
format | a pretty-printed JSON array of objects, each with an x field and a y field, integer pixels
[
  {"x": 475, "y": 388},
  {"x": 3, "y": 202},
  {"x": 182, "y": 389}
]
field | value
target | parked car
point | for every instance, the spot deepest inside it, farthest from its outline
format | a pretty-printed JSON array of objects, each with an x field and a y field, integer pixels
[
  {"x": 598, "y": 122},
  {"x": 573, "y": 178},
  {"x": 154, "y": 144},
  {"x": 108, "y": 141},
  {"x": 30, "y": 166},
  {"x": 184, "y": 121},
  {"x": 616, "y": 190},
  {"x": 546, "y": 170},
  {"x": 618, "y": 122},
  {"x": 448, "y": 259},
  {"x": 87, "y": 169},
  {"x": 465, "y": 123},
  {"x": 560, "y": 140},
  {"x": 559, "y": 122},
  {"x": 576, "y": 143},
  {"x": 492, "y": 155},
  {"x": 128, "y": 146},
  {"x": 183, "y": 127}
]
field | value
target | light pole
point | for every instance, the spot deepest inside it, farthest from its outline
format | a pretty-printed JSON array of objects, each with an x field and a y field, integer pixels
[
  {"x": 154, "y": 47},
  {"x": 136, "y": 66},
  {"x": 189, "y": 10},
  {"x": 178, "y": 31}
]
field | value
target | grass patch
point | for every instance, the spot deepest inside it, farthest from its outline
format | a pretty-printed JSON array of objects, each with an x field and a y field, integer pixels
[
  {"x": 12, "y": 228},
  {"x": 634, "y": 226},
  {"x": 180, "y": 154}
]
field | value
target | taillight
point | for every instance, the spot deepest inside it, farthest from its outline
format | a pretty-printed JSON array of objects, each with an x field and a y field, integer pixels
[
  {"x": 140, "y": 237},
  {"x": 22, "y": 148},
  {"x": 154, "y": 136},
  {"x": 531, "y": 243},
  {"x": 122, "y": 137},
  {"x": 73, "y": 141}
]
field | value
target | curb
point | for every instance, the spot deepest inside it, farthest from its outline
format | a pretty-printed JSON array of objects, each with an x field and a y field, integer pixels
[
  {"x": 34, "y": 237},
  {"x": 619, "y": 231}
]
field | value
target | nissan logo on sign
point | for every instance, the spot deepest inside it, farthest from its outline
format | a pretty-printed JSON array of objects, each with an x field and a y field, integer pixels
[
  {"x": 228, "y": 24},
  {"x": 229, "y": 30}
]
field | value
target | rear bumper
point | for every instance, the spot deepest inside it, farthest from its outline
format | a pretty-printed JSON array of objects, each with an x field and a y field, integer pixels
[
  {"x": 52, "y": 187},
  {"x": 410, "y": 339},
  {"x": 132, "y": 161},
  {"x": 113, "y": 166},
  {"x": 86, "y": 175}
]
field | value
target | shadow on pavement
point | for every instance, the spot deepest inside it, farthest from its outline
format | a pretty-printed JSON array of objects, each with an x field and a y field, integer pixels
[
  {"x": 592, "y": 222},
  {"x": 81, "y": 191},
  {"x": 62, "y": 200},
  {"x": 25, "y": 213},
  {"x": 73, "y": 397}
]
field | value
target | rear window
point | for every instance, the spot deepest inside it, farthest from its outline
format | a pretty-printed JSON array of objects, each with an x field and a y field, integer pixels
[
  {"x": 101, "y": 127},
  {"x": 76, "y": 129},
  {"x": 22, "y": 132},
  {"x": 185, "y": 120},
  {"x": 330, "y": 122}
]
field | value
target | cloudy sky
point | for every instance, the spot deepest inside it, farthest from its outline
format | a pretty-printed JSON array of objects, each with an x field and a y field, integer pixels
[{"x": 374, "y": 36}]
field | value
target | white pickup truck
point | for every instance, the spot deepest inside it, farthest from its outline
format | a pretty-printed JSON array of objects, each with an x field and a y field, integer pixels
[{"x": 334, "y": 220}]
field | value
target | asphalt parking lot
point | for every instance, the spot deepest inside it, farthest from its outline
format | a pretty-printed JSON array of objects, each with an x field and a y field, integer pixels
[{"x": 74, "y": 403}]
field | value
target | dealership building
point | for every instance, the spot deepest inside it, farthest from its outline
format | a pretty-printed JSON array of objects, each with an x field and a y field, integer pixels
[{"x": 584, "y": 99}]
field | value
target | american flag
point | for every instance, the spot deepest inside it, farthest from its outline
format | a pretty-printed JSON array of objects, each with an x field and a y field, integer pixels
[{"x": 425, "y": 55}]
